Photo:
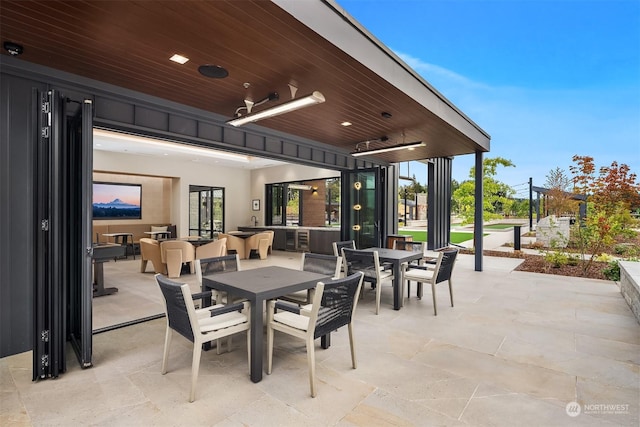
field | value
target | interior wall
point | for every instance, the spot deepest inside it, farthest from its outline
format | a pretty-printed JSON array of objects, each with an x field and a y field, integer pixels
[
  {"x": 275, "y": 174},
  {"x": 179, "y": 175}
]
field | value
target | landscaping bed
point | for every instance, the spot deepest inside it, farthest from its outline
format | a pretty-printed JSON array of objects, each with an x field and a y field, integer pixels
[{"x": 537, "y": 264}]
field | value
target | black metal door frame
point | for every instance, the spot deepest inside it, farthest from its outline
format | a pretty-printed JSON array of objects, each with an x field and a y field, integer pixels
[
  {"x": 63, "y": 288},
  {"x": 352, "y": 206}
]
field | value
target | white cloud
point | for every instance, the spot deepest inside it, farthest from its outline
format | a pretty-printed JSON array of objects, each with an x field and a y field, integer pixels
[{"x": 540, "y": 130}]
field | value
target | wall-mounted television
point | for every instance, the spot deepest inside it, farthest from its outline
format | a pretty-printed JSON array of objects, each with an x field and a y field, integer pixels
[{"x": 117, "y": 201}]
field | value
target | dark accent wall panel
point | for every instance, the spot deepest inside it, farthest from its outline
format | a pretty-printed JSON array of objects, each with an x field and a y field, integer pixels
[
  {"x": 439, "y": 202},
  {"x": 289, "y": 149},
  {"x": 272, "y": 145},
  {"x": 255, "y": 142},
  {"x": 209, "y": 131},
  {"x": 317, "y": 155},
  {"x": 304, "y": 153},
  {"x": 17, "y": 213},
  {"x": 113, "y": 110},
  {"x": 150, "y": 118},
  {"x": 233, "y": 137},
  {"x": 183, "y": 125}
]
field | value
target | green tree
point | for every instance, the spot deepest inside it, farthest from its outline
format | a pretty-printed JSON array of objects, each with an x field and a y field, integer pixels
[
  {"x": 497, "y": 195},
  {"x": 412, "y": 189}
]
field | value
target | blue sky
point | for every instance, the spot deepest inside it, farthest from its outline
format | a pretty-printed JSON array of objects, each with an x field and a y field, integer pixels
[{"x": 546, "y": 79}]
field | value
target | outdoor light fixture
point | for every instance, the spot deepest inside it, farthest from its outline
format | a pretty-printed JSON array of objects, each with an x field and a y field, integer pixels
[
  {"x": 295, "y": 104},
  {"x": 367, "y": 152}
]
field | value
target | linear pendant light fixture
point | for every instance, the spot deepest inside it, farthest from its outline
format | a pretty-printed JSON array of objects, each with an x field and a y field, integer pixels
[
  {"x": 409, "y": 145},
  {"x": 295, "y": 104}
]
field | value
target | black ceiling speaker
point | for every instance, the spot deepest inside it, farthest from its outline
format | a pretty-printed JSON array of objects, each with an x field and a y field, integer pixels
[
  {"x": 213, "y": 71},
  {"x": 14, "y": 49}
]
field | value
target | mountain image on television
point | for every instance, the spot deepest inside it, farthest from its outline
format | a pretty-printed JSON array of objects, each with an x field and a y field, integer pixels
[{"x": 116, "y": 201}]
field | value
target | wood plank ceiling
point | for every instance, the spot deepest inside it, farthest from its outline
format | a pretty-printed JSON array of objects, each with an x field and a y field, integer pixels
[{"x": 128, "y": 44}]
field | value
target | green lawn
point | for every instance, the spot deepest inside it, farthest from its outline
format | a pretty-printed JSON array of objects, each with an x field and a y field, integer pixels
[
  {"x": 499, "y": 226},
  {"x": 421, "y": 236}
]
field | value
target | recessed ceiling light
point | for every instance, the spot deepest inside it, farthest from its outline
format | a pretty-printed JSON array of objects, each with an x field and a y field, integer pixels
[
  {"x": 179, "y": 59},
  {"x": 346, "y": 124}
]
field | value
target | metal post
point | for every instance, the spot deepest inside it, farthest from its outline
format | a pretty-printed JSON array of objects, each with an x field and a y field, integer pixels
[
  {"x": 530, "y": 203},
  {"x": 478, "y": 226}
]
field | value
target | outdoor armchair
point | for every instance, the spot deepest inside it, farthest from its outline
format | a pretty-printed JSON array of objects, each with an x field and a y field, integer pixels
[
  {"x": 334, "y": 305},
  {"x": 432, "y": 273},
  {"x": 198, "y": 326},
  {"x": 368, "y": 263}
]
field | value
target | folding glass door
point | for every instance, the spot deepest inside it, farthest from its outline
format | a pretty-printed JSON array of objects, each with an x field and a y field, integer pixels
[
  {"x": 206, "y": 211},
  {"x": 362, "y": 212}
]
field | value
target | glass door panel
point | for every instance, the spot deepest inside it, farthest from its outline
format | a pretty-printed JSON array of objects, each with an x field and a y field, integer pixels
[
  {"x": 361, "y": 208},
  {"x": 206, "y": 211}
]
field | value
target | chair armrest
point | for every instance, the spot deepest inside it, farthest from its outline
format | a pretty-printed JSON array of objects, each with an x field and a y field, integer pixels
[
  {"x": 418, "y": 267},
  {"x": 201, "y": 295},
  {"x": 287, "y": 307},
  {"x": 239, "y": 306},
  {"x": 386, "y": 266}
]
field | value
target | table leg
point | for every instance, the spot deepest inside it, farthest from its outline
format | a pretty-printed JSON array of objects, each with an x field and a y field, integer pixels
[
  {"x": 98, "y": 281},
  {"x": 397, "y": 289},
  {"x": 256, "y": 340}
]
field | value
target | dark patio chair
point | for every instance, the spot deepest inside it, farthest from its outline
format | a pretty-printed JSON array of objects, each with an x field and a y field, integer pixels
[
  {"x": 315, "y": 263},
  {"x": 432, "y": 273},
  {"x": 334, "y": 304},
  {"x": 369, "y": 264},
  {"x": 199, "y": 326},
  {"x": 220, "y": 264}
]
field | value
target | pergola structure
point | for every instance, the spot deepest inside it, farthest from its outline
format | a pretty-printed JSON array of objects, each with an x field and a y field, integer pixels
[{"x": 112, "y": 59}]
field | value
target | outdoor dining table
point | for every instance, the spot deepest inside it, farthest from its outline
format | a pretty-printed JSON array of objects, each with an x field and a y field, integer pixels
[
  {"x": 259, "y": 285},
  {"x": 396, "y": 257}
]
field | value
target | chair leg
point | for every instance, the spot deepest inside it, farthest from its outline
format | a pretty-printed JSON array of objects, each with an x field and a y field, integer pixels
[
  {"x": 165, "y": 353},
  {"x": 311, "y": 360},
  {"x": 143, "y": 265},
  {"x": 419, "y": 290},
  {"x": 249, "y": 349},
  {"x": 433, "y": 292},
  {"x": 353, "y": 346},
  {"x": 451, "y": 292},
  {"x": 174, "y": 262},
  {"x": 269, "y": 349},
  {"x": 195, "y": 367}
]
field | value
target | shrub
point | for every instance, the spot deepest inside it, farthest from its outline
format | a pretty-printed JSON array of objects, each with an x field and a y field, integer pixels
[
  {"x": 556, "y": 259},
  {"x": 604, "y": 258},
  {"x": 612, "y": 271},
  {"x": 573, "y": 259}
]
